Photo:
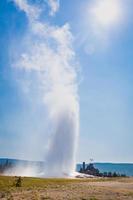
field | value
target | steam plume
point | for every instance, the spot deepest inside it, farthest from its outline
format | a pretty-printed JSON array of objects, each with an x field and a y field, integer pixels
[{"x": 48, "y": 53}]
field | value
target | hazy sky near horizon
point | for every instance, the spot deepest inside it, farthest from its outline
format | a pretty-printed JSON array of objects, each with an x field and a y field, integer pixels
[{"x": 103, "y": 42}]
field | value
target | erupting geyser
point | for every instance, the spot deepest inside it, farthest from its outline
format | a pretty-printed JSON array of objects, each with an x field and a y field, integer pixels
[
  {"x": 61, "y": 156},
  {"x": 48, "y": 53}
]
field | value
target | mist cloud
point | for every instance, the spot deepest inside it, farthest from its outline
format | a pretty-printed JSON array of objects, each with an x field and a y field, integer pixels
[{"x": 48, "y": 53}]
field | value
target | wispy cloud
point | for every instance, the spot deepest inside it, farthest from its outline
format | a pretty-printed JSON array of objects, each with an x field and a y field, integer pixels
[
  {"x": 54, "y": 5},
  {"x": 31, "y": 11}
]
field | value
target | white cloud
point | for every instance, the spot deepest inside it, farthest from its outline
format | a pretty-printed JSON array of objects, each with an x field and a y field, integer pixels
[
  {"x": 54, "y": 5},
  {"x": 31, "y": 11}
]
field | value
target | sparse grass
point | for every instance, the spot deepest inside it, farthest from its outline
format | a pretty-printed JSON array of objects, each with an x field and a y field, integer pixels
[
  {"x": 93, "y": 198},
  {"x": 130, "y": 194},
  {"x": 66, "y": 189}
]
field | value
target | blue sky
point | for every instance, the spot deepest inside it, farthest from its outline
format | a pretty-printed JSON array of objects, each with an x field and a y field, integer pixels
[{"x": 104, "y": 53}]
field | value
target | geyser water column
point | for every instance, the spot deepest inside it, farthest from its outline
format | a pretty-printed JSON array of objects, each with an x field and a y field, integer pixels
[
  {"x": 47, "y": 52},
  {"x": 61, "y": 156}
]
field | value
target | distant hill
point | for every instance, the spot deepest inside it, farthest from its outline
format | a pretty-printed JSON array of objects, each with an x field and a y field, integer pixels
[
  {"x": 23, "y": 163},
  {"x": 122, "y": 168},
  {"x": 17, "y": 161}
]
